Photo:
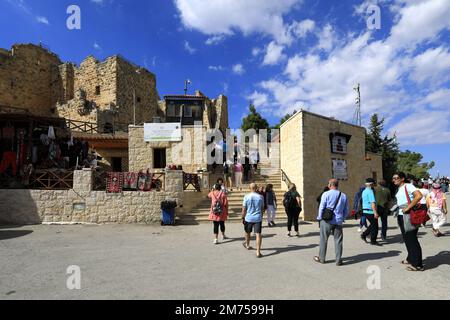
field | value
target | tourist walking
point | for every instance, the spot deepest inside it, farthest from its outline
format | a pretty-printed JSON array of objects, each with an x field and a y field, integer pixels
[
  {"x": 383, "y": 198},
  {"x": 252, "y": 209},
  {"x": 425, "y": 191},
  {"x": 333, "y": 210},
  {"x": 238, "y": 169},
  {"x": 228, "y": 174},
  {"x": 293, "y": 206},
  {"x": 409, "y": 231},
  {"x": 370, "y": 211},
  {"x": 219, "y": 211},
  {"x": 437, "y": 208},
  {"x": 271, "y": 205},
  {"x": 357, "y": 208}
]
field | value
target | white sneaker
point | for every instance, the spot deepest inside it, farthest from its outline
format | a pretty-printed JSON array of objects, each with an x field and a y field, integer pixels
[
  {"x": 288, "y": 234},
  {"x": 216, "y": 241},
  {"x": 359, "y": 230}
]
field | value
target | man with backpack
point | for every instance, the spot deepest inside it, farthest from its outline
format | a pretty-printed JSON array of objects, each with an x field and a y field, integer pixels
[
  {"x": 292, "y": 203},
  {"x": 333, "y": 210}
]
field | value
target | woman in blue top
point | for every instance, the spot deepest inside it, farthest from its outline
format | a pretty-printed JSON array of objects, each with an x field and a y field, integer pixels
[{"x": 414, "y": 259}]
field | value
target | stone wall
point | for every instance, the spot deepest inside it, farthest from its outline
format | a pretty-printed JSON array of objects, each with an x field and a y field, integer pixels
[
  {"x": 131, "y": 77},
  {"x": 29, "y": 79},
  {"x": 35, "y": 80},
  {"x": 82, "y": 205},
  {"x": 307, "y": 158},
  {"x": 190, "y": 152}
]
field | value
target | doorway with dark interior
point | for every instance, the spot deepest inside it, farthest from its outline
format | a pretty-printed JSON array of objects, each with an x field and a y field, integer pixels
[
  {"x": 159, "y": 158},
  {"x": 116, "y": 164}
]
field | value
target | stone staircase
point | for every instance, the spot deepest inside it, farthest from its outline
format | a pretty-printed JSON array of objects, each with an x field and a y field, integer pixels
[{"x": 200, "y": 213}]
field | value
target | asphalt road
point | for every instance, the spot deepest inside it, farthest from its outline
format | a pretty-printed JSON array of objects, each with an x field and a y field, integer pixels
[{"x": 153, "y": 262}]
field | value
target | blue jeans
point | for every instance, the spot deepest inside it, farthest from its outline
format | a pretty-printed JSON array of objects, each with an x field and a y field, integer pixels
[{"x": 363, "y": 221}]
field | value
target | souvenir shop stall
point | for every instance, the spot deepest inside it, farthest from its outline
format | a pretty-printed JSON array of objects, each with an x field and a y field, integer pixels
[{"x": 37, "y": 152}]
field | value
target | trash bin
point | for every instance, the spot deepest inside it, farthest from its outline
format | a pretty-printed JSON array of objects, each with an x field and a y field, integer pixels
[{"x": 168, "y": 213}]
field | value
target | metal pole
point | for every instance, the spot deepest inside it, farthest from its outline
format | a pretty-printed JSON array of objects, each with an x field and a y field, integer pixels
[{"x": 134, "y": 106}]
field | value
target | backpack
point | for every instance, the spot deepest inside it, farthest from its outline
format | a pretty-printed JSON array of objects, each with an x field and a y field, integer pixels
[
  {"x": 217, "y": 207},
  {"x": 289, "y": 202}
]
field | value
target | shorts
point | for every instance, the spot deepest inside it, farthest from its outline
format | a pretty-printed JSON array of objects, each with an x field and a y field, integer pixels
[{"x": 249, "y": 226}]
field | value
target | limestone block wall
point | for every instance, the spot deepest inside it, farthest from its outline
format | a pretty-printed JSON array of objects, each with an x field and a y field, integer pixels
[
  {"x": 82, "y": 205},
  {"x": 189, "y": 152},
  {"x": 29, "y": 78},
  {"x": 130, "y": 77},
  {"x": 317, "y": 159},
  {"x": 291, "y": 151}
]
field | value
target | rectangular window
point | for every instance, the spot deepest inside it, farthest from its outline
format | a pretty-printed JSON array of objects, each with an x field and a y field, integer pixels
[
  {"x": 138, "y": 99},
  {"x": 97, "y": 90},
  {"x": 171, "y": 110},
  {"x": 187, "y": 111}
]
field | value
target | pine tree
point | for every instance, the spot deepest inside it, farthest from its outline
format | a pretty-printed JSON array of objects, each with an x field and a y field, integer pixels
[{"x": 254, "y": 121}]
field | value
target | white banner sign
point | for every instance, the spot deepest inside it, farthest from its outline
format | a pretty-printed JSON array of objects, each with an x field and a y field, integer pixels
[
  {"x": 340, "y": 169},
  {"x": 154, "y": 132}
]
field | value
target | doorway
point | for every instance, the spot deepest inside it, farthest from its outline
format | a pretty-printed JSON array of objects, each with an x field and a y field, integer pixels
[
  {"x": 116, "y": 164},
  {"x": 159, "y": 158}
]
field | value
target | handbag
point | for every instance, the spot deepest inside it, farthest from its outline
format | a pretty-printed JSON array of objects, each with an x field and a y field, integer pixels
[
  {"x": 418, "y": 215},
  {"x": 328, "y": 214}
]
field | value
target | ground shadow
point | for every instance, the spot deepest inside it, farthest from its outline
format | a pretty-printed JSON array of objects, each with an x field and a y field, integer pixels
[
  {"x": 11, "y": 234},
  {"x": 370, "y": 256},
  {"x": 442, "y": 258},
  {"x": 10, "y": 226},
  {"x": 287, "y": 249},
  {"x": 252, "y": 238}
]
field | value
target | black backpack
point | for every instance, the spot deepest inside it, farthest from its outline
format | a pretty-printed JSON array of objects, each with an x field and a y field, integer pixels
[
  {"x": 217, "y": 207},
  {"x": 289, "y": 202}
]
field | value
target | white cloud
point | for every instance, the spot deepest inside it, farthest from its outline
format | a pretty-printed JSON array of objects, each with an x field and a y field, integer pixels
[
  {"x": 42, "y": 20},
  {"x": 433, "y": 65},
  {"x": 97, "y": 46},
  {"x": 324, "y": 83},
  {"x": 228, "y": 16},
  {"x": 188, "y": 48},
  {"x": 215, "y": 39},
  {"x": 301, "y": 29},
  {"x": 259, "y": 99},
  {"x": 327, "y": 38},
  {"x": 274, "y": 54},
  {"x": 256, "y": 51},
  {"x": 238, "y": 69},
  {"x": 216, "y": 68}
]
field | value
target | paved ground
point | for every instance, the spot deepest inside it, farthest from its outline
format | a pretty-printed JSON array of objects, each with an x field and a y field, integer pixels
[{"x": 152, "y": 262}]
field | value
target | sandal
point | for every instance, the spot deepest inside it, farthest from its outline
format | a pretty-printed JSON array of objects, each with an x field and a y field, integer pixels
[
  {"x": 245, "y": 246},
  {"x": 411, "y": 268},
  {"x": 405, "y": 262},
  {"x": 259, "y": 255},
  {"x": 317, "y": 259}
]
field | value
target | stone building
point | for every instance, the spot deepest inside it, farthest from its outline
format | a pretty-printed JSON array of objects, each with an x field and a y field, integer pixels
[
  {"x": 108, "y": 93},
  {"x": 315, "y": 148}
]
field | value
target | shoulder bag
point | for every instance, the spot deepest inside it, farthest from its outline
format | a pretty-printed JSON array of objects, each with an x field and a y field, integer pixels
[{"x": 328, "y": 214}]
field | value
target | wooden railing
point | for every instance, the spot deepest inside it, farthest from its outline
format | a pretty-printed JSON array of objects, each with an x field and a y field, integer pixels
[
  {"x": 81, "y": 126},
  {"x": 91, "y": 127},
  {"x": 191, "y": 179},
  {"x": 51, "y": 180}
]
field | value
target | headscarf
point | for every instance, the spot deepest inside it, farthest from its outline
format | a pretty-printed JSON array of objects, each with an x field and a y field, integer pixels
[{"x": 437, "y": 195}]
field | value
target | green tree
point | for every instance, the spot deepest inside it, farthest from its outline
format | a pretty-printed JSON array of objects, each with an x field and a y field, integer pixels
[
  {"x": 387, "y": 146},
  {"x": 254, "y": 121},
  {"x": 284, "y": 119},
  {"x": 374, "y": 141},
  {"x": 411, "y": 163}
]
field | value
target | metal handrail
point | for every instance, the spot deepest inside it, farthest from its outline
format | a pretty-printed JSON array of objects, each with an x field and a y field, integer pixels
[{"x": 285, "y": 178}]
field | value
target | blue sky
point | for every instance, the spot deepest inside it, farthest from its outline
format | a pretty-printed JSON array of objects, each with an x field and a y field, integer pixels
[{"x": 282, "y": 54}]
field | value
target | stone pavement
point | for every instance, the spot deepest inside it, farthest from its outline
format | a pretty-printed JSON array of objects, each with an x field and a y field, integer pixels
[{"x": 153, "y": 262}]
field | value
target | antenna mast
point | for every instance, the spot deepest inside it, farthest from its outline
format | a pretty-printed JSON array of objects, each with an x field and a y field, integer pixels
[{"x": 357, "y": 117}]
